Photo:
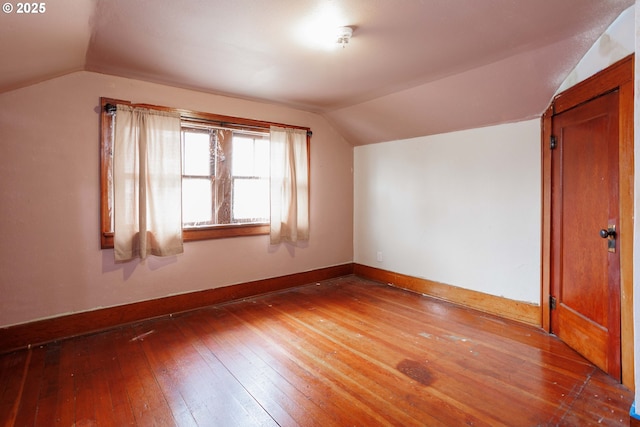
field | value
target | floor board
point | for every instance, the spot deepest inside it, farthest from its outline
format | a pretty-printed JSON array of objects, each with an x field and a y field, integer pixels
[{"x": 337, "y": 353}]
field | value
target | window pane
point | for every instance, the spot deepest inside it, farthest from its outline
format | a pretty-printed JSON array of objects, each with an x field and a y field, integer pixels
[
  {"x": 250, "y": 155},
  {"x": 263, "y": 157},
  {"x": 251, "y": 200},
  {"x": 197, "y": 154},
  {"x": 242, "y": 164},
  {"x": 196, "y": 201}
]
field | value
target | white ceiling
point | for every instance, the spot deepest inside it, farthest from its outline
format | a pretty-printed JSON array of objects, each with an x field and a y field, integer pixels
[{"x": 412, "y": 68}]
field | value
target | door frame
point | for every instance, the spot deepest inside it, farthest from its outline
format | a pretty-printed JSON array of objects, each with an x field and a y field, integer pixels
[{"x": 618, "y": 76}]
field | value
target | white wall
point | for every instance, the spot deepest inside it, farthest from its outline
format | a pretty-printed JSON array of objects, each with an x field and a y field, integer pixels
[{"x": 461, "y": 208}]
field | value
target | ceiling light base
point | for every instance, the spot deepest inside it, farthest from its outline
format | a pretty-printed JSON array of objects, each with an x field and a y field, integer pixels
[{"x": 344, "y": 35}]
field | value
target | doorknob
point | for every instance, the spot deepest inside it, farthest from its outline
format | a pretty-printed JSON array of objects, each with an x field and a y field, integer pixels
[{"x": 611, "y": 232}]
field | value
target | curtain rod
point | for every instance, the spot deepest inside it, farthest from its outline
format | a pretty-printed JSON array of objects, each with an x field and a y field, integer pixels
[{"x": 111, "y": 109}]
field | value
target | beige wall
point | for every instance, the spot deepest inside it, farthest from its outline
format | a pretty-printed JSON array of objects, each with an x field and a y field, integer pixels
[{"x": 50, "y": 258}]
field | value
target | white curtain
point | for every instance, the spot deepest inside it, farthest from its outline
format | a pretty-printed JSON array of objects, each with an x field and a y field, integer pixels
[
  {"x": 289, "y": 185},
  {"x": 147, "y": 177}
]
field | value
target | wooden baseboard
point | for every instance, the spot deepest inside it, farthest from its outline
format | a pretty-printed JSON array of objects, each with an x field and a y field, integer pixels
[
  {"x": 47, "y": 330},
  {"x": 503, "y": 307}
]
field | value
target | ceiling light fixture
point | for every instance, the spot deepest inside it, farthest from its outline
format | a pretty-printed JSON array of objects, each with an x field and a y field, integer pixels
[{"x": 344, "y": 35}]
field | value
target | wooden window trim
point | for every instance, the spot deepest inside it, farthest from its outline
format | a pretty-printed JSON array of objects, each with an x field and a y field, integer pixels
[{"x": 188, "y": 234}]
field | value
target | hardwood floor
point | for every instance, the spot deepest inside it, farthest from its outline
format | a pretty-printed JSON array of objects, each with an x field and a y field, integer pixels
[{"x": 339, "y": 353}]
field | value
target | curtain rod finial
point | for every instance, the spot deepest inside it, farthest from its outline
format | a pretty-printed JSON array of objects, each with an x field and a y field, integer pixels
[{"x": 110, "y": 108}]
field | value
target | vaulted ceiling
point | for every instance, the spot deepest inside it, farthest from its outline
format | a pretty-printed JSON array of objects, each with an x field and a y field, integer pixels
[{"x": 412, "y": 68}]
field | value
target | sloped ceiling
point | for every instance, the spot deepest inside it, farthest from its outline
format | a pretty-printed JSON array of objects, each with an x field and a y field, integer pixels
[{"x": 412, "y": 68}]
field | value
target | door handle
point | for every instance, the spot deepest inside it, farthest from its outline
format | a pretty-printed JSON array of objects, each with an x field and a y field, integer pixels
[{"x": 610, "y": 234}]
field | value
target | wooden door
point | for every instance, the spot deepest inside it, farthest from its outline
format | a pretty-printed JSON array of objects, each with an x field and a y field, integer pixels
[{"x": 585, "y": 281}]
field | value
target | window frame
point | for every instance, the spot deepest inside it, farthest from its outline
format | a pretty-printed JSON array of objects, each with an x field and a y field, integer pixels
[{"x": 187, "y": 116}]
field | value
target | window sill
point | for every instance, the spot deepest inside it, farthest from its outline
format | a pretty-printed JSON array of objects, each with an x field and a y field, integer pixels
[
  {"x": 224, "y": 231},
  {"x": 206, "y": 233}
]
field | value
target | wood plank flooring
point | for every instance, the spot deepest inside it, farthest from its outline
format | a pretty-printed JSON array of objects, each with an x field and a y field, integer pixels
[{"x": 345, "y": 352}]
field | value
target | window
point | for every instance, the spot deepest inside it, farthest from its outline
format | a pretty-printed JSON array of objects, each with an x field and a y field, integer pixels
[
  {"x": 225, "y": 175},
  {"x": 225, "y": 178}
]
